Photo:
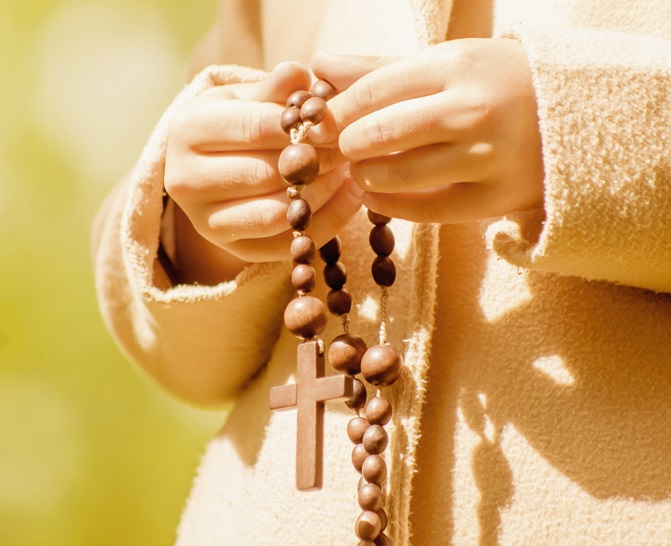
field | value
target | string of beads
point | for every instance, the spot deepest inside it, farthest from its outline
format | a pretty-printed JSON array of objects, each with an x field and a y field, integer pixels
[{"x": 305, "y": 316}]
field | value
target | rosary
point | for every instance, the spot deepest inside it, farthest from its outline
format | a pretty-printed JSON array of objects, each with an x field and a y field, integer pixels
[{"x": 305, "y": 316}]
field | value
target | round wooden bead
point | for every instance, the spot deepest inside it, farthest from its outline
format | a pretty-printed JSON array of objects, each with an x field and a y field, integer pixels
[
  {"x": 345, "y": 353},
  {"x": 383, "y": 270},
  {"x": 299, "y": 214},
  {"x": 378, "y": 411},
  {"x": 356, "y": 428},
  {"x": 381, "y": 240},
  {"x": 330, "y": 252},
  {"x": 375, "y": 440},
  {"x": 359, "y": 394},
  {"x": 323, "y": 89},
  {"x": 370, "y": 497},
  {"x": 303, "y": 250},
  {"x": 374, "y": 469},
  {"x": 368, "y": 525},
  {"x": 290, "y": 119},
  {"x": 298, "y": 98},
  {"x": 382, "y": 540},
  {"x": 381, "y": 365},
  {"x": 298, "y": 163},
  {"x": 294, "y": 191},
  {"x": 305, "y": 317},
  {"x": 304, "y": 278},
  {"x": 314, "y": 110},
  {"x": 362, "y": 482},
  {"x": 383, "y": 519},
  {"x": 378, "y": 219},
  {"x": 359, "y": 455},
  {"x": 339, "y": 302},
  {"x": 335, "y": 275}
]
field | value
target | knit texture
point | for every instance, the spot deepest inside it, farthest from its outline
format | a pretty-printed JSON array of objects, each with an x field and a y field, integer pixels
[
  {"x": 603, "y": 97},
  {"x": 534, "y": 405}
]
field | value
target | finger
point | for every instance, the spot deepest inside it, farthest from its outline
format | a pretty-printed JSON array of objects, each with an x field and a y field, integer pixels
[
  {"x": 457, "y": 203},
  {"x": 212, "y": 125},
  {"x": 326, "y": 222},
  {"x": 235, "y": 175},
  {"x": 326, "y": 132},
  {"x": 341, "y": 71},
  {"x": 282, "y": 81},
  {"x": 402, "y": 80},
  {"x": 423, "y": 168},
  {"x": 392, "y": 83},
  {"x": 265, "y": 216},
  {"x": 408, "y": 124}
]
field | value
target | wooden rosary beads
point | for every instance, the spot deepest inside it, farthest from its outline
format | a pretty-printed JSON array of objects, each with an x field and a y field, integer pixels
[
  {"x": 381, "y": 366},
  {"x": 305, "y": 316}
]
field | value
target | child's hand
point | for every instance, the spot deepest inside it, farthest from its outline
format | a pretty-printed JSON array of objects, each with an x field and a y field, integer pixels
[
  {"x": 448, "y": 135},
  {"x": 221, "y": 171}
]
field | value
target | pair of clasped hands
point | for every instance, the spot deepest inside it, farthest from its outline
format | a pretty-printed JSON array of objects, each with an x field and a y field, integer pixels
[{"x": 447, "y": 135}]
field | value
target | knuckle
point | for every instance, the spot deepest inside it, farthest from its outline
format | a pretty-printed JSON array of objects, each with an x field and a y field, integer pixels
[
  {"x": 432, "y": 211},
  {"x": 269, "y": 218},
  {"x": 482, "y": 112},
  {"x": 374, "y": 132},
  {"x": 472, "y": 112},
  {"x": 434, "y": 215},
  {"x": 400, "y": 171},
  {"x": 364, "y": 94},
  {"x": 262, "y": 173},
  {"x": 175, "y": 183},
  {"x": 250, "y": 125},
  {"x": 380, "y": 176},
  {"x": 181, "y": 119},
  {"x": 183, "y": 127},
  {"x": 217, "y": 228}
]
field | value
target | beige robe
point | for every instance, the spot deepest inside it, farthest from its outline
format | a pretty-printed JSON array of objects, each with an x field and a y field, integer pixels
[{"x": 535, "y": 407}]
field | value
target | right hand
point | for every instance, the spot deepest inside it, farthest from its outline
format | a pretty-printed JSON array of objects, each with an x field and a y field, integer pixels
[{"x": 221, "y": 171}]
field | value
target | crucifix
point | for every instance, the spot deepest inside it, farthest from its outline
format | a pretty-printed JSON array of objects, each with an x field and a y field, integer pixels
[{"x": 308, "y": 395}]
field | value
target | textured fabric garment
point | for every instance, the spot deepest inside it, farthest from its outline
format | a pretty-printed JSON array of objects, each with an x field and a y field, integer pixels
[{"x": 536, "y": 401}]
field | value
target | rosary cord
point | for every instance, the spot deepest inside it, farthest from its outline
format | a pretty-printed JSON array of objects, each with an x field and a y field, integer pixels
[
  {"x": 345, "y": 323},
  {"x": 384, "y": 296},
  {"x": 301, "y": 133}
]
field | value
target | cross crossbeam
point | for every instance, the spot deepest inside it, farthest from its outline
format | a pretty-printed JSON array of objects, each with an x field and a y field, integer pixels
[{"x": 308, "y": 395}]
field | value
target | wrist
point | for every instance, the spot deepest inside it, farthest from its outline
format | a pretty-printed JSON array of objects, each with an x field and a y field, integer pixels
[{"x": 192, "y": 258}]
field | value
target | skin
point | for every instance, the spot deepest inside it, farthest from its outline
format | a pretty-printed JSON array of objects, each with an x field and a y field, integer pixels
[
  {"x": 448, "y": 135},
  {"x": 445, "y": 136},
  {"x": 221, "y": 171}
]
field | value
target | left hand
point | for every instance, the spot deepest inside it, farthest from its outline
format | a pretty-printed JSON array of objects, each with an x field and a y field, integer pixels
[{"x": 447, "y": 135}]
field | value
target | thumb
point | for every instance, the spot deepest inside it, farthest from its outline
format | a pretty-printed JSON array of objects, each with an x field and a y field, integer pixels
[
  {"x": 282, "y": 81},
  {"x": 343, "y": 70}
]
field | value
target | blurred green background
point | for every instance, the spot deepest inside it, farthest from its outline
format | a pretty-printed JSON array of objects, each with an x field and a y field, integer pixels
[{"x": 91, "y": 453}]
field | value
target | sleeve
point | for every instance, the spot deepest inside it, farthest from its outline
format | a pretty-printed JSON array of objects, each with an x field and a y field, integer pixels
[
  {"x": 202, "y": 343},
  {"x": 604, "y": 106}
]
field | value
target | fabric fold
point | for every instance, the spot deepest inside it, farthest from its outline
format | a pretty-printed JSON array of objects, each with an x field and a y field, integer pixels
[{"x": 605, "y": 120}]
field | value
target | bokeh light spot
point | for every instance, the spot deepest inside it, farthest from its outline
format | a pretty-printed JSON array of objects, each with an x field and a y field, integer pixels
[{"x": 104, "y": 75}]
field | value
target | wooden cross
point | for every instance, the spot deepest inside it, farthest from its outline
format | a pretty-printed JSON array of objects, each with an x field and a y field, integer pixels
[{"x": 308, "y": 395}]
